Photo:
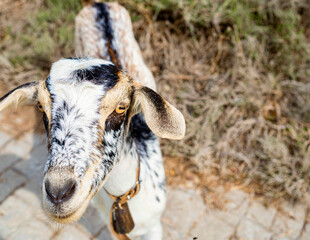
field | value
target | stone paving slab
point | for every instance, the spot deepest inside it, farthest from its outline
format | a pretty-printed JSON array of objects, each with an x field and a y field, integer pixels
[
  {"x": 13, "y": 151},
  {"x": 306, "y": 233},
  {"x": 184, "y": 207},
  {"x": 14, "y": 213},
  {"x": 251, "y": 230},
  {"x": 32, "y": 229},
  {"x": 72, "y": 233},
  {"x": 235, "y": 209},
  {"x": 34, "y": 165},
  {"x": 261, "y": 215},
  {"x": 186, "y": 217},
  {"x": 104, "y": 234},
  {"x": 9, "y": 182}
]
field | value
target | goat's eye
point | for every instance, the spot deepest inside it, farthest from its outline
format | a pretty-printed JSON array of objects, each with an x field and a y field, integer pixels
[
  {"x": 120, "y": 109},
  {"x": 40, "y": 107}
]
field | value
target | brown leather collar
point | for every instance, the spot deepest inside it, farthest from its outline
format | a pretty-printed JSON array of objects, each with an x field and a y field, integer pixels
[{"x": 120, "y": 201}]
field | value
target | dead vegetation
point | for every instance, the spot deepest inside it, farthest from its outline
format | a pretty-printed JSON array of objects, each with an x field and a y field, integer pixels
[{"x": 238, "y": 71}]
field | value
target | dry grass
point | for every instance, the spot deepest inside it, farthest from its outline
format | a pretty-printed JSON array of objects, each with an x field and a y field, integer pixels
[
  {"x": 247, "y": 109},
  {"x": 238, "y": 70}
]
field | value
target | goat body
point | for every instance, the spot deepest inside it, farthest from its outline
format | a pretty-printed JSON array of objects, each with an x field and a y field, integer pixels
[{"x": 102, "y": 114}]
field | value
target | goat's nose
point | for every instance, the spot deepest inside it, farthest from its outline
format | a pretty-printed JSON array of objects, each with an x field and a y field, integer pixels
[{"x": 61, "y": 194}]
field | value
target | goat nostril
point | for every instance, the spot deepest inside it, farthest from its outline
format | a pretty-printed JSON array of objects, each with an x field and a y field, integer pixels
[
  {"x": 68, "y": 190},
  {"x": 61, "y": 194},
  {"x": 49, "y": 191}
]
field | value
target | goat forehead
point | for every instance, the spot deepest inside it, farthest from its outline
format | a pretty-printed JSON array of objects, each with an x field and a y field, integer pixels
[
  {"x": 63, "y": 68},
  {"x": 85, "y": 96},
  {"x": 78, "y": 71},
  {"x": 81, "y": 81}
]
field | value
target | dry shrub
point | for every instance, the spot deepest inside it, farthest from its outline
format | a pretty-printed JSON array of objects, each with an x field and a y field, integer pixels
[{"x": 245, "y": 122}]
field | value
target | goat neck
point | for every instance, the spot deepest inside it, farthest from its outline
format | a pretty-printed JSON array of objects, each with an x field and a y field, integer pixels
[{"x": 123, "y": 175}]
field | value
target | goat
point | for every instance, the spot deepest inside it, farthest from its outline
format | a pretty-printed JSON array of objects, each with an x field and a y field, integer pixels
[{"x": 101, "y": 123}]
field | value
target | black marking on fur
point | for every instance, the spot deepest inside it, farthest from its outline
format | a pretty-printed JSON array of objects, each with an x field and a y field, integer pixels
[
  {"x": 75, "y": 58},
  {"x": 114, "y": 121},
  {"x": 48, "y": 87},
  {"x": 113, "y": 146},
  {"x": 57, "y": 141},
  {"x": 103, "y": 18},
  {"x": 106, "y": 75},
  {"x": 56, "y": 124},
  {"x": 152, "y": 180},
  {"x": 157, "y": 199},
  {"x": 47, "y": 83},
  {"x": 58, "y": 116},
  {"x": 156, "y": 100},
  {"x": 104, "y": 24},
  {"x": 162, "y": 186},
  {"x": 46, "y": 122},
  {"x": 147, "y": 164},
  {"x": 26, "y": 85},
  {"x": 109, "y": 154},
  {"x": 156, "y": 174},
  {"x": 65, "y": 106},
  {"x": 141, "y": 133},
  {"x": 78, "y": 115},
  {"x": 127, "y": 119}
]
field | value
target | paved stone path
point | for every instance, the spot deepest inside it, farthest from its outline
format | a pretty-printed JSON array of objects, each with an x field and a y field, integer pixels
[{"x": 186, "y": 215}]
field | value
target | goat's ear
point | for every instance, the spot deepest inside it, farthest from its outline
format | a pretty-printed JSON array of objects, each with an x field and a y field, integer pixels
[
  {"x": 25, "y": 93},
  {"x": 162, "y": 118}
]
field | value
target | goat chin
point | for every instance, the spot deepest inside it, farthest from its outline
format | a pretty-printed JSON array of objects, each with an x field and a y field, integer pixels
[{"x": 72, "y": 217}]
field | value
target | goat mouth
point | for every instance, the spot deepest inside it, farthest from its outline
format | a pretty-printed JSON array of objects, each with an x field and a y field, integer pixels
[{"x": 73, "y": 216}]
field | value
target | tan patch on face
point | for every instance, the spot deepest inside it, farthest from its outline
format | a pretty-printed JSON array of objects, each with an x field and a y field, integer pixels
[
  {"x": 119, "y": 94},
  {"x": 96, "y": 158}
]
